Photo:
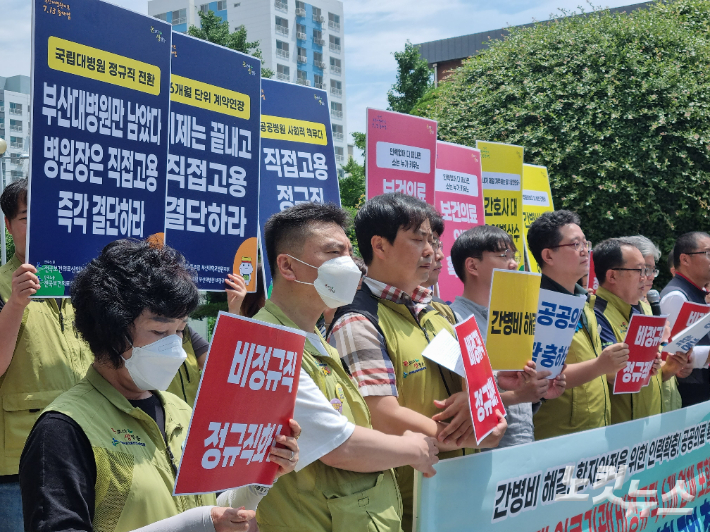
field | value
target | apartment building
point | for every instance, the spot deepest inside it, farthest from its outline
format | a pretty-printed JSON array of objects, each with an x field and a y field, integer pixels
[{"x": 15, "y": 125}]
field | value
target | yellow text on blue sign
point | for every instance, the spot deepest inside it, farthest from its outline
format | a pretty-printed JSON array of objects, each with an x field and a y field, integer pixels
[
  {"x": 279, "y": 128},
  {"x": 209, "y": 97},
  {"x": 93, "y": 63}
]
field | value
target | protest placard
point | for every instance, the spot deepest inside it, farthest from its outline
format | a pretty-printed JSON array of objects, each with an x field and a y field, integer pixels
[
  {"x": 686, "y": 339},
  {"x": 592, "y": 281},
  {"x": 100, "y": 101},
  {"x": 511, "y": 318},
  {"x": 502, "y": 174},
  {"x": 483, "y": 395},
  {"x": 643, "y": 338},
  {"x": 246, "y": 398},
  {"x": 557, "y": 318},
  {"x": 459, "y": 199},
  {"x": 297, "y": 156},
  {"x": 537, "y": 199},
  {"x": 688, "y": 314},
  {"x": 213, "y": 168},
  {"x": 400, "y": 155}
]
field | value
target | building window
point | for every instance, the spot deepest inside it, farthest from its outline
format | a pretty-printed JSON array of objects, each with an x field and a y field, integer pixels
[
  {"x": 333, "y": 22},
  {"x": 318, "y": 60},
  {"x": 16, "y": 142},
  {"x": 336, "y": 88},
  {"x": 317, "y": 15},
  {"x": 161, "y": 16},
  {"x": 337, "y": 131},
  {"x": 302, "y": 55},
  {"x": 318, "y": 38},
  {"x": 300, "y": 32},
  {"x": 16, "y": 125},
  {"x": 179, "y": 17},
  {"x": 283, "y": 72},
  {"x": 339, "y": 156},
  {"x": 300, "y": 9},
  {"x": 281, "y": 26},
  {"x": 281, "y": 5},
  {"x": 282, "y": 49},
  {"x": 336, "y": 110},
  {"x": 335, "y": 66},
  {"x": 221, "y": 5},
  {"x": 334, "y": 44},
  {"x": 318, "y": 81},
  {"x": 15, "y": 108},
  {"x": 204, "y": 8}
]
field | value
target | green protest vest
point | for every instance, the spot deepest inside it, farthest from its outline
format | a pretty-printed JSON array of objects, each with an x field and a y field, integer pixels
[
  {"x": 135, "y": 470},
  {"x": 584, "y": 407},
  {"x": 320, "y": 497},
  {"x": 187, "y": 379},
  {"x": 49, "y": 358},
  {"x": 628, "y": 406},
  {"x": 419, "y": 380}
]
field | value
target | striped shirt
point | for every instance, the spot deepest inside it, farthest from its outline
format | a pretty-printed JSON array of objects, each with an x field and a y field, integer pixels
[{"x": 363, "y": 348}]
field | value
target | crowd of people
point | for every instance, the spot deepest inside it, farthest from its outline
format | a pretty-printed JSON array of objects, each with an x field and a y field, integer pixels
[{"x": 119, "y": 358}]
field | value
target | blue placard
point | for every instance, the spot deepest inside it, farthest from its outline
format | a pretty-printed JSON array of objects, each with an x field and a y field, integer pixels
[
  {"x": 100, "y": 104},
  {"x": 213, "y": 167},
  {"x": 297, "y": 156}
]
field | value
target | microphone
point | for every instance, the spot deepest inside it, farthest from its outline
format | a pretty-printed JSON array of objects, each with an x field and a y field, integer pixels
[{"x": 654, "y": 299}]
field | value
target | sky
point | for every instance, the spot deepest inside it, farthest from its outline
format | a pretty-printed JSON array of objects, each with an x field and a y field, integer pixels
[{"x": 374, "y": 29}]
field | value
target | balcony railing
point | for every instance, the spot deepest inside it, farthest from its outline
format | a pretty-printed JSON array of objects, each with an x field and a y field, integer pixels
[
  {"x": 179, "y": 20},
  {"x": 282, "y": 76},
  {"x": 319, "y": 85},
  {"x": 16, "y": 128},
  {"x": 335, "y": 48},
  {"x": 302, "y": 59},
  {"x": 282, "y": 53},
  {"x": 318, "y": 18},
  {"x": 336, "y": 92},
  {"x": 15, "y": 111},
  {"x": 336, "y": 114},
  {"x": 281, "y": 6},
  {"x": 306, "y": 82},
  {"x": 300, "y": 12},
  {"x": 319, "y": 42},
  {"x": 301, "y": 36},
  {"x": 319, "y": 64},
  {"x": 335, "y": 70},
  {"x": 337, "y": 136},
  {"x": 283, "y": 30},
  {"x": 339, "y": 158},
  {"x": 16, "y": 145},
  {"x": 335, "y": 26}
]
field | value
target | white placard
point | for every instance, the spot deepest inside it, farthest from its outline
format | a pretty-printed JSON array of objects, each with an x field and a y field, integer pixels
[
  {"x": 686, "y": 339},
  {"x": 444, "y": 349},
  {"x": 458, "y": 182}
]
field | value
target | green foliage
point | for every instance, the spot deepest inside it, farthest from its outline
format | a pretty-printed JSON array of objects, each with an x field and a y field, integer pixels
[
  {"x": 352, "y": 187},
  {"x": 413, "y": 79},
  {"x": 426, "y": 102},
  {"x": 617, "y": 106},
  {"x": 216, "y": 30},
  {"x": 9, "y": 244}
]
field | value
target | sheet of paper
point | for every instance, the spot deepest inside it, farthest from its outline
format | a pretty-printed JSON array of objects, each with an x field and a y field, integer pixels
[{"x": 445, "y": 351}]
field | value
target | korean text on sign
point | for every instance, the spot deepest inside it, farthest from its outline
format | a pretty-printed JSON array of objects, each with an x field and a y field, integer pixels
[
  {"x": 643, "y": 338},
  {"x": 484, "y": 398},
  {"x": 557, "y": 318},
  {"x": 245, "y": 400}
]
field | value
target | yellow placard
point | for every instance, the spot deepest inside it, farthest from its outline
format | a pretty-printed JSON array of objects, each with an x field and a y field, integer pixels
[
  {"x": 85, "y": 61},
  {"x": 209, "y": 97},
  {"x": 502, "y": 175},
  {"x": 511, "y": 318},
  {"x": 537, "y": 198},
  {"x": 279, "y": 128}
]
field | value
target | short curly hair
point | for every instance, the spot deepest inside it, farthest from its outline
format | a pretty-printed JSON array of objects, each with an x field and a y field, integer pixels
[{"x": 128, "y": 277}]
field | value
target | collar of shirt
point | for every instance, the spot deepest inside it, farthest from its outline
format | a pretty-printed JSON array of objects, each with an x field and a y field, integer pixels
[
  {"x": 622, "y": 306},
  {"x": 548, "y": 283},
  {"x": 691, "y": 282},
  {"x": 417, "y": 302}
]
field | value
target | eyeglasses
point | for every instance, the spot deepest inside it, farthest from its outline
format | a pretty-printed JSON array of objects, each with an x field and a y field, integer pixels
[
  {"x": 509, "y": 254},
  {"x": 706, "y": 253},
  {"x": 643, "y": 272},
  {"x": 585, "y": 244},
  {"x": 437, "y": 245}
]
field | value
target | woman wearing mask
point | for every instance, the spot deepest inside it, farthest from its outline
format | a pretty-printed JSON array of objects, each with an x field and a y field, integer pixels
[{"x": 104, "y": 455}]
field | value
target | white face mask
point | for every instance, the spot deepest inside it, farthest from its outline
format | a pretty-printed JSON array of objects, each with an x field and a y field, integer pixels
[
  {"x": 337, "y": 281},
  {"x": 153, "y": 366}
]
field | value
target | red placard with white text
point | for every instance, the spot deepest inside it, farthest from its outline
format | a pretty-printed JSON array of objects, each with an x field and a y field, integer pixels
[
  {"x": 689, "y": 313},
  {"x": 643, "y": 338},
  {"x": 246, "y": 398},
  {"x": 459, "y": 198},
  {"x": 401, "y": 154},
  {"x": 483, "y": 395}
]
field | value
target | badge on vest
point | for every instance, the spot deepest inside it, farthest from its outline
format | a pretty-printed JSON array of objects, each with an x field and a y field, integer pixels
[
  {"x": 325, "y": 369},
  {"x": 338, "y": 401},
  {"x": 414, "y": 366},
  {"x": 125, "y": 437}
]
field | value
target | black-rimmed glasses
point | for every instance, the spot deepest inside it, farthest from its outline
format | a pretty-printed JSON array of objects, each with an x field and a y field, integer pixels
[{"x": 586, "y": 245}]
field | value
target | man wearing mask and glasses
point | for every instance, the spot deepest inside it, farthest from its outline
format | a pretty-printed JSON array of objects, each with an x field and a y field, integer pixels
[
  {"x": 691, "y": 260},
  {"x": 559, "y": 246}
]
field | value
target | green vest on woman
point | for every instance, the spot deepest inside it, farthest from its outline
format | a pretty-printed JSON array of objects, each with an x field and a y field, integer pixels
[
  {"x": 135, "y": 468},
  {"x": 323, "y": 498},
  {"x": 49, "y": 358}
]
